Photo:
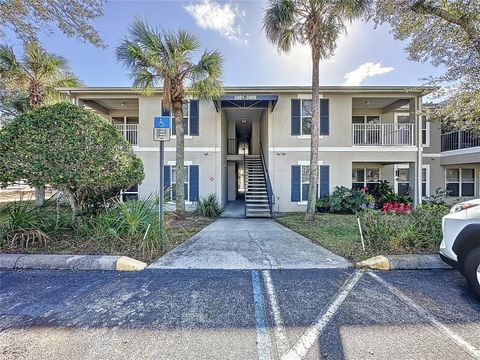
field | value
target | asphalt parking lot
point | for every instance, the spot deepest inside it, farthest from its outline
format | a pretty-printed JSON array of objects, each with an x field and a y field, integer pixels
[{"x": 228, "y": 314}]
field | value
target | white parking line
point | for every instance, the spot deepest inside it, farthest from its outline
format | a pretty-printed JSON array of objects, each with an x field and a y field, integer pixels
[
  {"x": 469, "y": 348},
  {"x": 263, "y": 338},
  {"x": 279, "y": 327},
  {"x": 306, "y": 341}
]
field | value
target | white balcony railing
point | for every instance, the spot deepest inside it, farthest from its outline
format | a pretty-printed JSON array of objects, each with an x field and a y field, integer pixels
[
  {"x": 383, "y": 134},
  {"x": 129, "y": 132}
]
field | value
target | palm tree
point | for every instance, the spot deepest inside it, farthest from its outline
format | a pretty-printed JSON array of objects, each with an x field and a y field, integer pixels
[
  {"x": 32, "y": 79},
  {"x": 162, "y": 58},
  {"x": 317, "y": 23}
]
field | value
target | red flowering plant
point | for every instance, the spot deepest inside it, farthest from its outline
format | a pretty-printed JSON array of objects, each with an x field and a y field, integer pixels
[{"x": 396, "y": 208}]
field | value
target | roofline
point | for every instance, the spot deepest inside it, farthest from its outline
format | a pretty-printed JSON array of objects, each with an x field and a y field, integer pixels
[{"x": 420, "y": 90}]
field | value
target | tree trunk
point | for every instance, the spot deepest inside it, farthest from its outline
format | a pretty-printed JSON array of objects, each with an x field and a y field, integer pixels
[
  {"x": 39, "y": 196},
  {"x": 35, "y": 98},
  {"x": 313, "y": 179},
  {"x": 180, "y": 160},
  {"x": 35, "y": 94}
]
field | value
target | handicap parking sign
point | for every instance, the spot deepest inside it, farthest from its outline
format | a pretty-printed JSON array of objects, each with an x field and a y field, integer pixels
[{"x": 161, "y": 122}]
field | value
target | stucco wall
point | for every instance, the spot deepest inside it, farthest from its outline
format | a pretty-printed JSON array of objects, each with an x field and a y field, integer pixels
[{"x": 208, "y": 150}]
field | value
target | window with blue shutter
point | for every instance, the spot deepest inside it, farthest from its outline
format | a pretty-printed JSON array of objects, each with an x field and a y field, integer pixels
[
  {"x": 166, "y": 177},
  {"x": 295, "y": 184},
  {"x": 324, "y": 181},
  {"x": 194, "y": 182},
  {"x": 324, "y": 117},
  {"x": 295, "y": 117},
  {"x": 194, "y": 118}
]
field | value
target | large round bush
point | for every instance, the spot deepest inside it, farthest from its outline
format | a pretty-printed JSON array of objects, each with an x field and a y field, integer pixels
[{"x": 69, "y": 148}]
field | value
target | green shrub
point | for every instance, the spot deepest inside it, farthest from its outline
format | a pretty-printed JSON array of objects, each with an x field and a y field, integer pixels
[
  {"x": 135, "y": 223},
  {"x": 419, "y": 230},
  {"x": 208, "y": 206},
  {"x": 323, "y": 203},
  {"x": 384, "y": 193},
  {"x": 346, "y": 200},
  {"x": 439, "y": 197},
  {"x": 71, "y": 149},
  {"x": 24, "y": 225}
]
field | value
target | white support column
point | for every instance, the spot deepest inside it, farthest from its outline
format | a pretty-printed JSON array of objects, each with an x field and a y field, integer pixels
[{"x": 419, "y": 164}]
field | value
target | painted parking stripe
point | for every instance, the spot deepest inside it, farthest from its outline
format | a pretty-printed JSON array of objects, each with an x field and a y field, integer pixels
[
  {"x": 465, "y": 345},
  {"x": 306, "y": 341},
  {"x": 263, "y": 338},
  {"x": 279, "y": 327}
]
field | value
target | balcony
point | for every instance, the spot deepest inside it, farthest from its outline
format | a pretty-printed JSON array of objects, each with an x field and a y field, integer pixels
[
  {"x": 129, "y": 132},
  {"x": 383, "y": 134},
  {"x": 460, "y": 139}
]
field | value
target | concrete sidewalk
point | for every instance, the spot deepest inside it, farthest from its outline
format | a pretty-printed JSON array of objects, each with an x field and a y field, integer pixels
[{"x": 249, "y": 244}]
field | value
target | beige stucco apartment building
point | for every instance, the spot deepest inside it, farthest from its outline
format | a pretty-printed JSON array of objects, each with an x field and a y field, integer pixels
[{"x": 262, "y": 135}]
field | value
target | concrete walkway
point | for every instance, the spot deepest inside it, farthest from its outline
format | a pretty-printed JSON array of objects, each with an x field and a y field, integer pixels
[
  {"x": 248, "y": 244},
  {"x": 234, "y": 209}
]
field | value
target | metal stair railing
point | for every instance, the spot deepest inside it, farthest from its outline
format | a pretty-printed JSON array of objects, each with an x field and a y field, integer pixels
[{"x": 271, "y": 198}]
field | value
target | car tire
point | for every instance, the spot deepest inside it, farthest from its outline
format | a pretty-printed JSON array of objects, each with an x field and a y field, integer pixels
[{"x": 471, "y": 270}]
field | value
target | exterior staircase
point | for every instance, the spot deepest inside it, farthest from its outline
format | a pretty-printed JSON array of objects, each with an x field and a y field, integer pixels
[{"x": 256, "y": 196}]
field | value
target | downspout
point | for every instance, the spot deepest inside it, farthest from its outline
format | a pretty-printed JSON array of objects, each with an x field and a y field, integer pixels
[{"x": 418, "y": 117}]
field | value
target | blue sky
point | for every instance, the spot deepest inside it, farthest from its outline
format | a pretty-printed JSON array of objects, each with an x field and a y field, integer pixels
[{"x": 371, "y": 56}]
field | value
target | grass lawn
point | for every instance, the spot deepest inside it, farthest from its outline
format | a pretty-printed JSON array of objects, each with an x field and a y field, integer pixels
[
  {"x": 338, "y": 233},
  {"x": 68, "y": 242}
]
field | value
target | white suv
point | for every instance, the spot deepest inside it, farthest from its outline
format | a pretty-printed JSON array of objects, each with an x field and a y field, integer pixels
[{"x": 460, "y": 246}]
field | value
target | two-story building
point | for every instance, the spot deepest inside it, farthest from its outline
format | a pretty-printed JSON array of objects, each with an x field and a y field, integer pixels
[{"x": 253, "y": 144}]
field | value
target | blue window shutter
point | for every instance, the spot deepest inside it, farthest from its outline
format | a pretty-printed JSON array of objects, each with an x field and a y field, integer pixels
[
  {"x": 194, "y": 182},
  {"x": 324, "y": 117},
  {"x": 295, "y": 183},
  {"x": 166, "y": 176},
  {"x": 324, "y": 181},
  {"x": 194, "y": 118},
  {"x": 165, "y": 112},
  {"x": 296, "y": 117}
]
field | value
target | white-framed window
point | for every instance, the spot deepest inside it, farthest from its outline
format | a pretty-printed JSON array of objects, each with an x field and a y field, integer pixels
[
  {"x": 305, "y": 180},
  {"x": 130, "y": 193},
  {"x": 460, "y": 182},
  {"x": 306, "y": 117},
  {"x": 402, "y": 180},
  {"x": 173, "y": 183},
  {"x": 404, "y": 118},
  {"x": 127, "y": 126},
  {"x": 366, "y": 119},
  {"x": 362, "y": 177},
  {"x": 425, "y": 131},
  {"x": 186, "y": 119}
]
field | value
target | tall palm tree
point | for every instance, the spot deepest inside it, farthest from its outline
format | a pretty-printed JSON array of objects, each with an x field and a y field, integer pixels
[
  {"x": 33, "y": 78},
  {"x": 162, "y": 58},
  {"x": 317, "y": 23}
]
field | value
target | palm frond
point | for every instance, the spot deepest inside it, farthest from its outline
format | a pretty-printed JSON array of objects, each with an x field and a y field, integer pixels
[
  {"x": 10, "y": 68},
  {"x": 41, "y": 64},
  {"x": 206, "y": 76},
  {"x": 280, "y": 23}
]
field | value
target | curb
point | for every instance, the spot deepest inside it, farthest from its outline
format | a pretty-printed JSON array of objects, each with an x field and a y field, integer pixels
[
  {"x": 69, "y": 262},
  {"x": 403, "y": 262}
]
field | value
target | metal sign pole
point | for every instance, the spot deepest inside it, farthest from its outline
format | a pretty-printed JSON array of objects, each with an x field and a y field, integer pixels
[
  {"x": 161, "y": 194},
  {"x": 161, "y": 133}
]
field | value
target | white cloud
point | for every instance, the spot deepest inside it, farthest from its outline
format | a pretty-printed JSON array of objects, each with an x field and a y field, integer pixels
[
  {"x": 355, "y": 77},
  {"x": 209, "y": 14}
]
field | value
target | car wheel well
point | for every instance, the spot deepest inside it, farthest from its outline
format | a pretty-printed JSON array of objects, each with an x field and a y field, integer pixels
[{"x": 467, "y": 240}]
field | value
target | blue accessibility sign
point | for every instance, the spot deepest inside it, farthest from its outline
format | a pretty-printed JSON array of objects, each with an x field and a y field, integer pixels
[{"x": 161, "y": 122}]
